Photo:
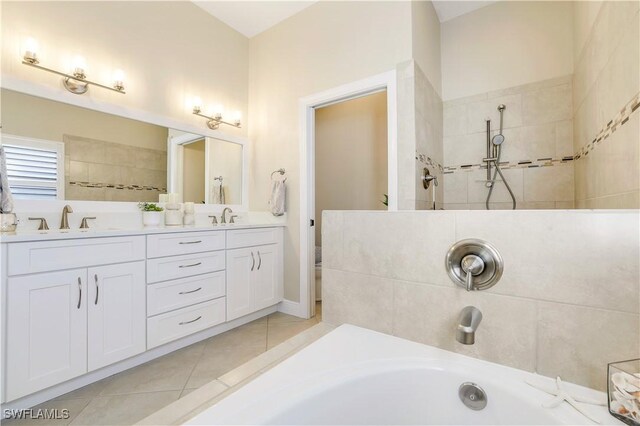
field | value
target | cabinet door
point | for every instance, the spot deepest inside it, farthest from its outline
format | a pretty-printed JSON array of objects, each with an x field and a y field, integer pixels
[
  {"x": 117, "y": 313},
  {"x": 46, "y": 330},
  {"x": 241, "y": 263},
  {"x": 266, "y": 279}
]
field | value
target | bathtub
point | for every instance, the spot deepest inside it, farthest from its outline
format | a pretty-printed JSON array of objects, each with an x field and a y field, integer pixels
[{"x": 356, "y": 376}]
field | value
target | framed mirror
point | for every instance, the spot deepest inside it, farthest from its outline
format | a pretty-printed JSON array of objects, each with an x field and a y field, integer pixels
[{"x": 58, "y": 151}]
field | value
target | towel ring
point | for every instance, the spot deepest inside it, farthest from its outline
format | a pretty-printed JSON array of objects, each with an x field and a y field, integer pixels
[{"x": 281, "y": 171}]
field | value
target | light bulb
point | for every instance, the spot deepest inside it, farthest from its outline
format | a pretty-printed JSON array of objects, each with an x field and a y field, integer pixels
[
  {"x": 79, "y": 66},
  {"x": 237, "y": 118},
  {"x": 118, "y": 80},
  {"x": 31, "y": 50},
  {"x": 197, "y": 105},
  {"x": 218, "y": 110}
]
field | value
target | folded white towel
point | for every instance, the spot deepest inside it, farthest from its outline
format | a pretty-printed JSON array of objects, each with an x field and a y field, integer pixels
[
  {"x": 6, "y": 199},
  {"x": 217, "y": 193},
  {"x": 277, "y": 200}
]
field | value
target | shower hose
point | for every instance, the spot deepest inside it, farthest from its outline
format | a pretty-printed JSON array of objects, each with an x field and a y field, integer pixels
[{"x": 493, "y": 180}]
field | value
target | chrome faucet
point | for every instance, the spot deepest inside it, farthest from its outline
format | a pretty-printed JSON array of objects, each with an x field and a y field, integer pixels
[
  {"x": 64, "y": 224},
  {"x": 223, "y": 219},
  {"x": 468, "y": 323}
]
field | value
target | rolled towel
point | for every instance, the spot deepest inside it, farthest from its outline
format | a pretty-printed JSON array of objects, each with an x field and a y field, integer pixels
[
  {"x": 277, "y": 200},
  {"x": 6, "y": 199}
]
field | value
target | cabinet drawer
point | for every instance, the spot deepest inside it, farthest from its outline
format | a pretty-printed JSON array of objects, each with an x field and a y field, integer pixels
[
  {"x": 168, "y": 268},
  {"x": 167, "y": 327},
  {"x": 175, "y": 294},
  {"x": 27, "y": 258},
  {"x": 239, "y": 238},
  {"x": 184, "y": 243}
]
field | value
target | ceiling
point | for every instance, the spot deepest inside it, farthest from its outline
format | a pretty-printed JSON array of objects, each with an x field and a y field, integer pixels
[
  {"x": 450, "y": 9},
  {"x": 253, "y": 17}
]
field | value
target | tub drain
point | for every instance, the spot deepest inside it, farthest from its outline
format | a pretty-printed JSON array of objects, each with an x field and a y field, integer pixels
[{"x": 472, "y": 396}]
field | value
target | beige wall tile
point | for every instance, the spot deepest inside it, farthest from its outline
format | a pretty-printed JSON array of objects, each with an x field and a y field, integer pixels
[
  {"x": 583, "y": 258},
  {"x": 478, "y": 191},
  {"x": 455, "y": 120},
  {"x": 577, "y": 342},
  {"x": 357, "y": 299},
  {"x": 564, "y": 139},
  {"x": 408, "y": 245},
  {"x": 549, "y": 183},
  {"x": 547, "y": 105},
  {"x": 477, "y": 112},
  {"x": 619, "y": 169},
  {"x": 455, "y": 185},
  {"x": 429, "y": 314},
  {"x": 332, "y": 242}
]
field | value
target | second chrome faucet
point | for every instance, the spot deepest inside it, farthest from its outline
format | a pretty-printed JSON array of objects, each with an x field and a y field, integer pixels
[{"x": 468, "y": 323}]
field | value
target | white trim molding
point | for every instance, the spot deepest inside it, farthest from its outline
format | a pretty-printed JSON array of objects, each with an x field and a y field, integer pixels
[{"x": 307, "y": 105}]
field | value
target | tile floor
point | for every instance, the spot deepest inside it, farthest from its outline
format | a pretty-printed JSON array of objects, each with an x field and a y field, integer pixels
[{"x": 132, "y": 395}]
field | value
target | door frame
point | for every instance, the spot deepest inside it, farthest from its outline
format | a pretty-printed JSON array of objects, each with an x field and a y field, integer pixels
[{"x": 307, "y": 106}]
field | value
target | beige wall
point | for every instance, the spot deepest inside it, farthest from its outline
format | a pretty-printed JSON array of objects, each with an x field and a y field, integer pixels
[
  {"x": 426, "y": 42},
  {"x": 193, "y": 158},
  {"x": 508, "y": 43},
  {"x": 606, "y": 113},
  {"x": 164, "y": 48},
  {"x": 549, "y": 313},
  {"x": 40, "y": 118},
  {"x": 335, "y": 43},
  {"x": 351, "y": 156}
]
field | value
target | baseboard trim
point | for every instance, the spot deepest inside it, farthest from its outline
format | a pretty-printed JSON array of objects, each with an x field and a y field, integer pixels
[{"x": 291, "y": 308}]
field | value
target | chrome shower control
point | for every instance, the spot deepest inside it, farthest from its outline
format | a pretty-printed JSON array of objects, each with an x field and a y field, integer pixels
[{"x": 474, "y": 264}]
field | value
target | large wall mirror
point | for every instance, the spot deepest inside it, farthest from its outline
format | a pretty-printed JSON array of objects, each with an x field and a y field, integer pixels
[{"x": 65, "y": 152}]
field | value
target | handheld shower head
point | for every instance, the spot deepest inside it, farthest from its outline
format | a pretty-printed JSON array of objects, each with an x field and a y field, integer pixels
[{"x": 497, "y": 139}]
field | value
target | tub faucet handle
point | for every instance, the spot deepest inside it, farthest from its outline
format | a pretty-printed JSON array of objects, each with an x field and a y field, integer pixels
[{"x": 472, "y": 265}]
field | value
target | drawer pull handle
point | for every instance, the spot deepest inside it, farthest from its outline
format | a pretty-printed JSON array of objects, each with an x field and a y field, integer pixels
[
  {"x": 95, "y": 277},
  {"x": 259, "y": 260},
  {"x": 190, "y": 242},
  {"x": 253, "y": 261},
  {"x": 190, "y": 266},
  {"x": 79, "y": 292},
  {"x": 192, "y": 291},
  {"x": 189, "y": 322}
]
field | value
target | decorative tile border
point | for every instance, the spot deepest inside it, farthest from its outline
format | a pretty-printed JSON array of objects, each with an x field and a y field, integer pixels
[
  {"x": 117, "y": 186},
  {"x": 424, "y": 159},
  {"x": 505, "y": 165},
  {"x": 619, "y": 120}
]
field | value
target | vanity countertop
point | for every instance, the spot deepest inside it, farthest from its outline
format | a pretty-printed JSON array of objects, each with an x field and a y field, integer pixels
[{"x": 56, "y": 234}]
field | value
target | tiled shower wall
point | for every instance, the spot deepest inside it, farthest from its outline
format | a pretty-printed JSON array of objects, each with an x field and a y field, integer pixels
[
  {"x": 106, "y": 171},
  {"x": 567, "y": 303},
  {"x": 607, "y": 110},
  {"x": 419, "y": 138},
  {"x": 536, "y": 155}
]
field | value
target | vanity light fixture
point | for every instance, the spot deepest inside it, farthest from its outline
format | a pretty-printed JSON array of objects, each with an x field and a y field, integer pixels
[
  {"x": 214, "y": 121},
  {"x": 76, "y": 82}
]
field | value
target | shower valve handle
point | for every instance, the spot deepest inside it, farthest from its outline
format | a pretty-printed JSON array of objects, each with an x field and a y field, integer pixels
[{"x": 473, "y": 265}]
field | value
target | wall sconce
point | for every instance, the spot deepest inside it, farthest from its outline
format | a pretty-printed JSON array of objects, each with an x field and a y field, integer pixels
[
  {"x": 76, "y": 82},
  {"x": 213, "y": 122}
]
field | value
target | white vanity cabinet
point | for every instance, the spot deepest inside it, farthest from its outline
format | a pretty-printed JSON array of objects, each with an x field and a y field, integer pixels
[
  {"x": 116, "y": 313},
  {"x": 95, "y": 305},
  {"x": 46, "y": 330},
  {"x": 254, "y": 273},
  {"x": 62, "y": 324}
]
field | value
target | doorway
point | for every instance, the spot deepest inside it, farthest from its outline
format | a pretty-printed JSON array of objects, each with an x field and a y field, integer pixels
[
  {"x": 193, "y": 169},
  {"x": 350, "y": 162},
  {"x": 313, "y": 108}
]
